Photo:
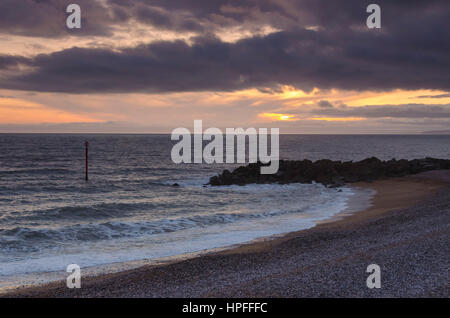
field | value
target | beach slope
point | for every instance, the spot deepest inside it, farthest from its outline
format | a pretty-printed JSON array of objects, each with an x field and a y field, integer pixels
[{"x": 406, "y": 232}]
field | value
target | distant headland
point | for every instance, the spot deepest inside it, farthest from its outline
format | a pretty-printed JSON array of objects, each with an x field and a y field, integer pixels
[{"x": 437, "y": 132}]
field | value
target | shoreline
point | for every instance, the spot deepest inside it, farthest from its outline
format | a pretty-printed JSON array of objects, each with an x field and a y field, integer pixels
[
  {"x": 171, "y": 278},
  {"x": 358, "y": 201},
  {"x": 382, "y": 201}
]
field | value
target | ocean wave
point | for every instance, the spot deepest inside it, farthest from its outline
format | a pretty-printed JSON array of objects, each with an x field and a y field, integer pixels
[
  {"x": 98, "y": 211},
  {"x": 11, "y": 238},
  {"x": 33, "y": 171}
]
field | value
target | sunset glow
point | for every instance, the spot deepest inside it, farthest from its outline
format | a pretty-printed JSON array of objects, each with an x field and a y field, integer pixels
[
  {"x": 275, "y": 117},
  {"x": 278, "y": 64},
  {"x": 216, "y": 151}
]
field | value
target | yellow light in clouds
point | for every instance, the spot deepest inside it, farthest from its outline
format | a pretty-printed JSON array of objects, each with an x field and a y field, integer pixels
[
  {"x": 234, "y": 34},
  {"x": 289, "y": 92},
  {"x": 338, "y": 118},
  {"x": 274, "y": 116}
]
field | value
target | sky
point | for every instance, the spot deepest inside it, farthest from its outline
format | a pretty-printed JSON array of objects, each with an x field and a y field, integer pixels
[{"x": 303, "y": 66}]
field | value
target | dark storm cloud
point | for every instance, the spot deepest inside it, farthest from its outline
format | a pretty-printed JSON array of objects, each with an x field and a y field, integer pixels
[
  {"x": 388, "y": 111},
  {"x": 219, "y": 12},
  {"x": 334, "y": 15},
  {"x": 411, "y": 51},
  {"x": 8, "y": 61},
  {"x": 47, "y": 18},
  {"x": 324, "y": 104}
]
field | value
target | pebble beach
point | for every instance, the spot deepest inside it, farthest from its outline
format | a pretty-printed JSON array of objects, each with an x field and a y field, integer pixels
[{"x": 406, "y": 231}]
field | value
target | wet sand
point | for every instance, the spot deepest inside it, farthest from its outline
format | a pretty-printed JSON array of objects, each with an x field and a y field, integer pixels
[{"x": 406, "y": 231}]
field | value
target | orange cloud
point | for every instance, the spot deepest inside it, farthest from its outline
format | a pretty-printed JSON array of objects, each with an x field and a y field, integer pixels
[{"x": 16, "y": 111}]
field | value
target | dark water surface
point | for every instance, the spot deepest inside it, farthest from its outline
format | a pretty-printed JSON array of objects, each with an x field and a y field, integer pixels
[{"x": 50, "y": 217}]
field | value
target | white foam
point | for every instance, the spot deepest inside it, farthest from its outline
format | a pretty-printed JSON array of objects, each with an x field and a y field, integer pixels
[{"x": 325, "y": 204}]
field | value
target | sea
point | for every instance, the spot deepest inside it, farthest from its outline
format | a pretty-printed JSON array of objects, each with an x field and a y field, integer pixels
[{"x": 129, "y": 212}]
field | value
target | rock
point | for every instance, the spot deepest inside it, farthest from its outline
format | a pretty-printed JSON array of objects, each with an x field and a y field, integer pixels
[
  {"x": 175, "y": 185},
  {"x": 327, "y": 172},
  {"x": 337, "y": 182},
  {"x": 215, "y": 181}
]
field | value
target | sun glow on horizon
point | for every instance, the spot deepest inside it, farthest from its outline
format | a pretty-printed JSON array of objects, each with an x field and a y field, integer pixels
[
  {"x": 17, "y": 111},
  {"x": 275, "y": 116}
]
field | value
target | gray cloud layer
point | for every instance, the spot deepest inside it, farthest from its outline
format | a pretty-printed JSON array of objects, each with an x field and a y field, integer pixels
[
  {"x": 411, "y": 51},
  {"x": 410, "y": 111},
  {"x": 435, "y": 96},
  {"x": 47, "y": 18}
]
